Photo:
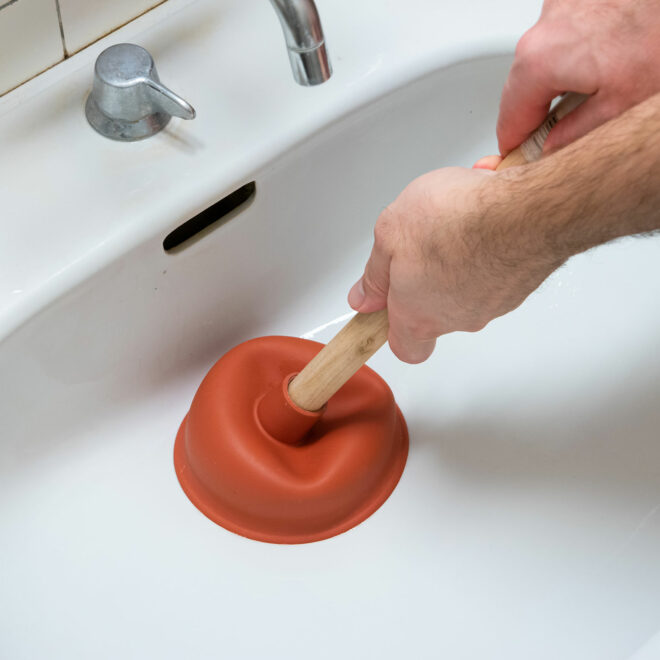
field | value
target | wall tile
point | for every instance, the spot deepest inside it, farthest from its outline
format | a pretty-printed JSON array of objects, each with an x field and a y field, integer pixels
[
  {"x": 85, "y": 21},
  {"x": 30, "y": 40}
]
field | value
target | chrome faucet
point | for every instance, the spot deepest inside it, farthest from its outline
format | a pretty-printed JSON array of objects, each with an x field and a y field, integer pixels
[
  {"x": 128, "y": 102},
  {"x": 305, "y": 42}
]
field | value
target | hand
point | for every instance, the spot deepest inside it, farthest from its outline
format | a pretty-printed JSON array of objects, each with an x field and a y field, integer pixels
[
  {"x": 607, "y": 48},
  {"x": 447, "y": 257}
]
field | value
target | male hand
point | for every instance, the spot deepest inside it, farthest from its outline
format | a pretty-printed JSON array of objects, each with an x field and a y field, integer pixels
[
  {"x": 448, "y": 255},
  {"x": 607, "y": 48}
]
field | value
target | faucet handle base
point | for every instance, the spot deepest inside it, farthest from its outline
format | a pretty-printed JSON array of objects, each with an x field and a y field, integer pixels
[
  {"x": 121, "y": 129},
  {"x": 128, "y": 102}
]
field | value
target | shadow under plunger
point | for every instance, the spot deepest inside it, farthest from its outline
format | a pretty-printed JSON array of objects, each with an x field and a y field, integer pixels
[{"x": 290, "y": 441}]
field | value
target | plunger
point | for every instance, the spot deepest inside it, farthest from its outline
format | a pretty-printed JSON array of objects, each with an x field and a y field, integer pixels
[{"x": 290, "y": 441}]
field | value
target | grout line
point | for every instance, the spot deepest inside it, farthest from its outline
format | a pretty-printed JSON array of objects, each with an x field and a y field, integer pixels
[
  {"x": 59, "y": 20},
  {"x": 114, "y": 29},
  {"x": 67, "y": 54}
]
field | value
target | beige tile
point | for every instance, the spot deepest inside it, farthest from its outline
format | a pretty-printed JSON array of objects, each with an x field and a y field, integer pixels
[
  {"x": 30, "y": 40},
  {"x": 85, "y": 21}
]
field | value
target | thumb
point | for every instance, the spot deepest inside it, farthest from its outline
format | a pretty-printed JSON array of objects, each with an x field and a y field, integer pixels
[
  {"x": 592, "y": 113},
  {"x": 369, "y": 293}
]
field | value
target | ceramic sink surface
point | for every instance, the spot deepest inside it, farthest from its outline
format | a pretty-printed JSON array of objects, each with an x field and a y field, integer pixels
[{"x": 527, "y": 521}]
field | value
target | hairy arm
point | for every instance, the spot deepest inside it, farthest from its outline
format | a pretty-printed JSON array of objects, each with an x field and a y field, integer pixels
[
  {"x": 601, "y": 187},
  {"x": 460, "y": 247}
]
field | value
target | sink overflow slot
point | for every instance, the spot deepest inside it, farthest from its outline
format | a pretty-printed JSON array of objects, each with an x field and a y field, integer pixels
[{"x": 214, "y": 216}]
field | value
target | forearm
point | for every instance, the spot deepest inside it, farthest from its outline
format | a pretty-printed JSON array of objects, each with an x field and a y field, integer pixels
[
  {"x": 459, "y": 247},
  {"x": 603, "y": 186}
]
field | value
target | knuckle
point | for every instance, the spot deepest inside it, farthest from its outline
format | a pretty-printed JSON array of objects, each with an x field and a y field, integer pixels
[
  {"x": 384, "y": 229},
  {"x": 418, "y": 197},
  {"x": 475, "y": 325},
  {"x": 387, "y": 219},
  {"x": 526, "y": 45},
  {"x": 380, "y": 236},
  {"x": 531, "y": 52}
]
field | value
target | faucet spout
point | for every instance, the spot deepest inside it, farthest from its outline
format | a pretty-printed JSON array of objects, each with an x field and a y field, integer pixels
[{"x": 305, "y": 41}]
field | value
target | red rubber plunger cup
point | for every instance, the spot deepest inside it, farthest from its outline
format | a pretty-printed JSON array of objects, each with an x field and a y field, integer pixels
[{"x": 262, "y": 454}]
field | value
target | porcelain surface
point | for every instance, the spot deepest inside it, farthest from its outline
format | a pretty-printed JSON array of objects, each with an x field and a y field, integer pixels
[{"x": 527, "y": 521}]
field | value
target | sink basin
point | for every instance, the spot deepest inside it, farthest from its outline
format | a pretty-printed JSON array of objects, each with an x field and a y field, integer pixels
[{"x": 526, "y": 523}]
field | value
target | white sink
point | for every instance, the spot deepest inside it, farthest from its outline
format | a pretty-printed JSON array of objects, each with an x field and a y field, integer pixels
[{"x": 527, "y": 521}]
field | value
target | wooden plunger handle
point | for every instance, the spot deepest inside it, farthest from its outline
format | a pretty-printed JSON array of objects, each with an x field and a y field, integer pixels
[
  {"x": 364, "y": 334},
  {"x": 346, "y": 352}
]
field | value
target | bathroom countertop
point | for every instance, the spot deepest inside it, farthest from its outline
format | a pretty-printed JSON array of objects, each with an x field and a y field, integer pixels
[{"x": 73, "y": 200}]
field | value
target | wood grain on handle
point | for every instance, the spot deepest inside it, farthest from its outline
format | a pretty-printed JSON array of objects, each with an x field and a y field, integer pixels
[
  {"x": 346, "y": 352},
  {"x": 364, "y": 334}
]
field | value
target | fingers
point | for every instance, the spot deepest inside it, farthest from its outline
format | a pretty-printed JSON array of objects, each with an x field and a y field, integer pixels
[
  {"x": 405, "y": 340},
  {"x": 592, "y": 113},
  {"x": 369, "y": 293},
  {"x": 412, "y": 312},
  {"x": 487, "y": 163},
  {"x": 373, "y": 291},
  {"x": 411, "y": 350},
  {"x": 523, "y": 107},
  {"x": 551, "y": 58}
]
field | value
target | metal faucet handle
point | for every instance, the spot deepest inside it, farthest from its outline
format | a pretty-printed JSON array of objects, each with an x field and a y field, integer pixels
[{"x": 128, "y": 102}]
